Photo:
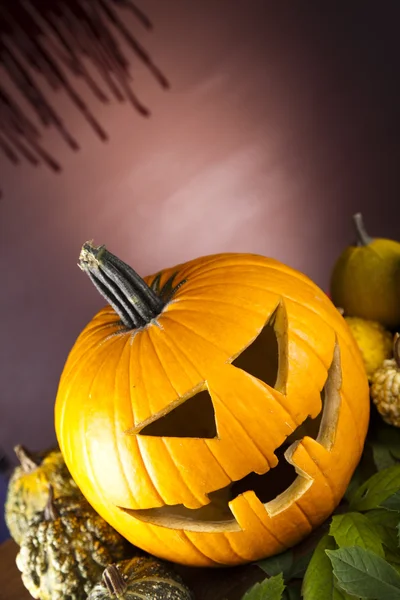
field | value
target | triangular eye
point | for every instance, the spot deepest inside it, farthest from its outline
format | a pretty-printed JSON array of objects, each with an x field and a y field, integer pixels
[
  {"x": 264, "y": 357},
  {"x": 194, "y": 418}
]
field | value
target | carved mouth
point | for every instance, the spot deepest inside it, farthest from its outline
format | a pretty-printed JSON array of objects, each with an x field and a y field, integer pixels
[{"x": 217, "y": 515}]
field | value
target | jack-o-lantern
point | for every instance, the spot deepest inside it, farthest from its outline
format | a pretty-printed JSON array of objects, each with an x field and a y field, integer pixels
[{"x": 214, "y": 414}]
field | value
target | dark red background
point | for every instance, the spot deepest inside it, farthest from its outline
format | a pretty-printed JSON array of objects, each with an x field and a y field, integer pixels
[{"x": 282, "y": 120}]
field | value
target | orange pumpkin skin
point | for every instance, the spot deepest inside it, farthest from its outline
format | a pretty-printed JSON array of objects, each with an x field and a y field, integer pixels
[{"x": 116, "y": 381}]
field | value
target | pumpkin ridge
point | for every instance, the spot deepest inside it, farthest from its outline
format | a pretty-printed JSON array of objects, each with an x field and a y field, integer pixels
[
  {"x": 168, "y": 315},
  {"x": 140, "y": 450},
  {"x": 277, "y": 396},
  {"x": 185, "y": 354},
  {"x": 251, "y": 308},
  {"x": 201, "y": 552},
  {"x": 253, "y": 443},
  {"x": 170, "y": 456},
  {"x": 356, "y": 358},
  {"x": 156, "y": 352},
  {"x": 334, "y": 314},
  {"x": 141, "y": 378},
  {"x": 321, "y": 471},
  {"x": 75, "y": 358},
  {"x": 180, "y": 475},
  {"x": 233, "y": 550},
  {"x": 217, "y": 461},
  {"x": 349, "y": 406},
  {"x": 209, "y": 541},
  {"x": 116, "y": 433},
  {"x": 311, "y": 348},
  {"x": 174, "y": 353},
  {"x": 306, "y": 517},
  {"x": 270, "y": 531},
  {"x": 184, "y": 269},
  {"x": 307, "y": 282},
  {"x": 272, "y": 265},
  {"x": 82, "y": 360},
  {"x": 182, "y": 309},
  {"x": 82, "y": 434}
]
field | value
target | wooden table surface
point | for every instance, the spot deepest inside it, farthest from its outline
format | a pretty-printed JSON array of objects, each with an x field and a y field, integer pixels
[{"x": 207, "y": 584}]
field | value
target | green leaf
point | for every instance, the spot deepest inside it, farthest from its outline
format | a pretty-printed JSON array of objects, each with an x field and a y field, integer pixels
[
  {"x": 393, "y": 502},
  {"x": 362, "y": 572},
  {"x": 398, "y": 534},
  {"x": 376, "y": 489},
  {"x": 281, "y": 563},
  {"x": 383, "y": 458},
  {"x": 355, "y": 482},
  {"x": 318, "y": 582},
  {"x": 289, "y": 563},
  {"x": 393, "y": 557},
  {"x": 354, "y": 529},
  {"x": 386, "y": 523},
  {"x": 269, "y": 589},
  {"x": 389, "y": 436},
  {"x": 292, "y": 592},
  {"x": 300, "y": 565}
]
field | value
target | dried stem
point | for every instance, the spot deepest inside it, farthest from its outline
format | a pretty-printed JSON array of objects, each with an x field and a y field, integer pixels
[
  {"x": 363, "y": 239},
  {"x": 28, "y": 462},
  {"x": 396, "y": 349},
  {"x": 50, "y": 511},
  {"x": 114, "y": 581}
]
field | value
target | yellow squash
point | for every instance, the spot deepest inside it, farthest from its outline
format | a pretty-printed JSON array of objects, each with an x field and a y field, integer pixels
[
  {"x": 365, "y": 279},
  {"x": 374, "y": 341},
  {"x": 28, "y": 488}
]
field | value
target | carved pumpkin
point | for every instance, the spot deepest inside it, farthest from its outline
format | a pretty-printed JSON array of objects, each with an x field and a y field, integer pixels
[{"x": 215, "y": 414}]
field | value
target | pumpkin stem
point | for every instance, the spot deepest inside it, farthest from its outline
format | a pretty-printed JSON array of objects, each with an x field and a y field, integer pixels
[
  {"x": 396, "y": 349},
  {"x": 28, "y": 463},
  {"x": 363, "y": 239},
  {"x": 134, "y": 301},
  {"x": 50, "y": 511},
  {"x": 114, "y": 581}
]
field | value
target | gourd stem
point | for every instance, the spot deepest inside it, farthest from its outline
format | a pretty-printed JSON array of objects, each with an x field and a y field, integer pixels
[
  {"x": 396, "y": 349},
  {"x": 114, "y": 581},
  {"x": 134, "y": 301},
  {"x": 26, "y": 459},
  {"x": 363, "y": 239},
  {"x": 50, "y": 511}
]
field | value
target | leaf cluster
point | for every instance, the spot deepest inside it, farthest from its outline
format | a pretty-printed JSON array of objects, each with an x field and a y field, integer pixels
[{"x": 356, "y": 554}]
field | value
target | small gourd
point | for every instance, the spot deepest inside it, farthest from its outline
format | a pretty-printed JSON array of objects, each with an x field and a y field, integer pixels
[
  {"x": 365, "y": 279},
  {"x": 66, "y": 549},
  {"x": 385, "y": 388},
  {"x": 140, "y": 578},
  {"x": 375, "y": 342},
  {"x": 28, "y": 488}
]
